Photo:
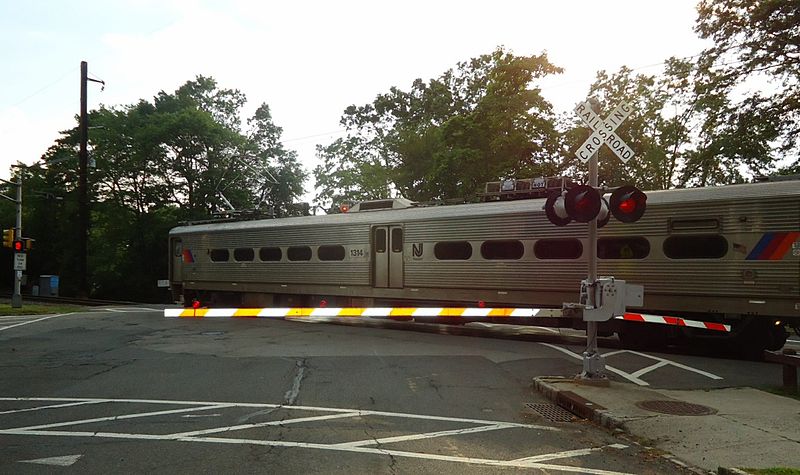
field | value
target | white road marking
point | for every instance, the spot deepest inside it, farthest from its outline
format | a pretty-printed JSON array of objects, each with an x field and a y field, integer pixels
[
  {"x": 309, "y": 445},
  {"x": 625, "y": 375},
  {"x": 201, "y": 415},
  {"x": 62, "y": 461},
  {"x": 81, "y": 403},
  {"x": 122, "y": 417},
  {"x": 217, "y": 430},
  {"x": 33, "y": 321},
  {"x": 634, "y": 377},
  {"x": 128, "y": 309},
  {"x": 646, "y": 370},
  {"x": 427, "y": 435},
  {"x": 567, "y": 454},
  {"x": 275, "y": 406},
  {"x": 356, "y": 447},
  {"x": 672, "y": 363}
]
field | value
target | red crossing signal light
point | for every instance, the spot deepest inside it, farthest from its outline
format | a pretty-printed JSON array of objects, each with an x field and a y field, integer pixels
[
  {"x": 628, "y": 203},
  {"x": 582, "y": 203},
  {"x": 19, "y": 246}
]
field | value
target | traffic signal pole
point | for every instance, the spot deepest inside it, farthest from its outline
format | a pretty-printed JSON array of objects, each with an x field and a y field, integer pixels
[
  {"x": 593, "y": 364},
  {"x": 16, "y": 297}
]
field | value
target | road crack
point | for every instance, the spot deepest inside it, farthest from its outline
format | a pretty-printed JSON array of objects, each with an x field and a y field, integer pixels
[{"x": 291, "y": 395}]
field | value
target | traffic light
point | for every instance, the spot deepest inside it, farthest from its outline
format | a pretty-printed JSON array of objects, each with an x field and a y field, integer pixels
[
  {"x": 628, "y": 203},
  {"x": 19, "y": 246},
  {"x": 583, "y": 203},
  {"x": 8, "y": 238}
]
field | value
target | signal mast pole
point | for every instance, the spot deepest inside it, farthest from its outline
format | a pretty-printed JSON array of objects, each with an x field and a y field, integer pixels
[{"x": 593, "y": 364}]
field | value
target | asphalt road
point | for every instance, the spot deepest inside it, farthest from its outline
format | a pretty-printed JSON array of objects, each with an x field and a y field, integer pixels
[{"x": 127, "y": 390}]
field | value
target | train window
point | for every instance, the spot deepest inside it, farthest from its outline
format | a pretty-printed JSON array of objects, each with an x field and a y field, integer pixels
[
  {"x": 243, "y": 254},
  {"x": 219, "y": 255},
  {"x": 299, "y": 253},
  {"x": 558, "y": 249},
  {"x": 331, "y": 253},
  {"x": 270, "y": 254},
  {"x": 623, "y": 248},
  {"x": 502, "y": 250},
  {"x": 380, "y": 240},
  {"x": 452, "y": 250},
  {"x": 702, "y": 246},
  {"x": 397, "y": 240}
]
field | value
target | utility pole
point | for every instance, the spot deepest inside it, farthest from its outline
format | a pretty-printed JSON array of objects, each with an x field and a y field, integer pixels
[
  {"x": 83, "y": 201},
  {"x": 83, "y": 205}
]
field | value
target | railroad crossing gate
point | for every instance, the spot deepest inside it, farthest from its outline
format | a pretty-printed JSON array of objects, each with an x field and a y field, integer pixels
[{"x": 603, "y": 131}]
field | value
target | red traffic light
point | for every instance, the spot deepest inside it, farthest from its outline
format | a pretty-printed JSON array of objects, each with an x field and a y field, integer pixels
[
  {"x": 19, "y": 246},
  {"x": 628, "y": 203},
  {"x": 582, "y": 203}
]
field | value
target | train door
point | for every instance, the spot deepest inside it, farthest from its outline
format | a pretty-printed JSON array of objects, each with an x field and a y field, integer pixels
[
  {"x": 387, "y": 256},
  {"x": 176, "y": 247}
]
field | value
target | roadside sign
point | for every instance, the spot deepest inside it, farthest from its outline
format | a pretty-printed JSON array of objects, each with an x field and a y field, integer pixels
[
  {"x": 603, "y": 131},
  {"x": 20, "y": 261}
]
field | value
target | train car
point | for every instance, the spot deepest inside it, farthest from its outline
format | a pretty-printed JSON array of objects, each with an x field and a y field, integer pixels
[{"x": 725, "y": 254}]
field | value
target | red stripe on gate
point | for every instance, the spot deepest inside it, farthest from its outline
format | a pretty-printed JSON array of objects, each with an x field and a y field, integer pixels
[
  {"x": 633, "y": 316},
  {"x": 674, "y": 321},
  {"x": 715, "y": 326}
]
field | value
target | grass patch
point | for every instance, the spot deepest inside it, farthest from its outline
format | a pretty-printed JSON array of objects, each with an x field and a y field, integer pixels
[
  {"x": 36, "y": 309},
  {"x": 782, "y": 392},
  {"x": 773, "y": 471}
]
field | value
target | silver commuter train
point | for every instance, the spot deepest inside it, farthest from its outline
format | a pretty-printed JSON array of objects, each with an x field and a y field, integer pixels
[{"x": 726, "y": 254}]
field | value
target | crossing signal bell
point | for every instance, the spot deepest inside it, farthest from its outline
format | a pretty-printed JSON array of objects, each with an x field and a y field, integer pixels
[{"x": 583, "y": 203}]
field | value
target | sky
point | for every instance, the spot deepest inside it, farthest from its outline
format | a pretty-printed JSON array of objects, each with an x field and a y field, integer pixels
[{"x": 308, "y": 60}]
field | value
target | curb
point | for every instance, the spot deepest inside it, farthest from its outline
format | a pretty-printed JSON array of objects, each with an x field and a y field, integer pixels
[
  {"x": 730, "y": 471},
  {"x": 603, "y": 417},
  {"x": 577, "y": 405}
]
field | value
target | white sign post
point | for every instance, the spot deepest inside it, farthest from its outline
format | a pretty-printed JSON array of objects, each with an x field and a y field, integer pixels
[
  {"x": 20, "y": 261},
  {"x": 602, "y": 133}
]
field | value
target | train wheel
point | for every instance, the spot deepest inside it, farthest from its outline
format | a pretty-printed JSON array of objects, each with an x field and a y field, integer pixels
[
  {"x": 642, "y": 336},
  {"x": 760, "y": 335}
]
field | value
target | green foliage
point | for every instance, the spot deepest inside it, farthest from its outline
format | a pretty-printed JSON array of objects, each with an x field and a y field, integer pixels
[
  {"x": 445, "y": 138},
  {"x": 157, "y": 163},
  {"x": 755, "y": 42}
]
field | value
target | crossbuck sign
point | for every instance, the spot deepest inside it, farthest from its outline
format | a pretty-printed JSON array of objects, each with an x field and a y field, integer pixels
[{"x": 603, "y": 131}]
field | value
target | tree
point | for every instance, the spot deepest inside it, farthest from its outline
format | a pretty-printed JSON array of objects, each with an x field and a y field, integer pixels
[
  {"x": 444, "y": 138},
  {"x": 755, "y": 42},
  {"x": 179, "y": 157}
]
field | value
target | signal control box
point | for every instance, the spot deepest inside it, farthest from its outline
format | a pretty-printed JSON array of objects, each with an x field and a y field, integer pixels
[{"x": 611, "y": 296}]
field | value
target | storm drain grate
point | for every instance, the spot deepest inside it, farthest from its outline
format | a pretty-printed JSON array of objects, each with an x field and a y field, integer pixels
[
  {"x": 552, "y": 412},
  {"x": 676, "y": 408}
]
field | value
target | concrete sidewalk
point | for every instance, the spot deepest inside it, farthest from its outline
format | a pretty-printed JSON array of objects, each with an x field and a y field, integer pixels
[{"x": 742, "y": 427}]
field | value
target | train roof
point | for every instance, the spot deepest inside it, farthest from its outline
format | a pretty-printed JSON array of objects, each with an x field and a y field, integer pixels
[{"x": 421, "y": 213}]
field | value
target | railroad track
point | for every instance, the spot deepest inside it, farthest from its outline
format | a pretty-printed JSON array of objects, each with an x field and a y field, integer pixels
[{"x": 70, "y": 300}]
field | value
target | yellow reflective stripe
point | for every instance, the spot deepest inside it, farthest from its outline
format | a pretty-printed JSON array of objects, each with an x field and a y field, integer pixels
[
  {"x": 452, "y": 312},
  {"x": 190, "y": 312},
  {"x": 500, "y": 312},
  {"x": 351, "y": 312},
  {"x": 247, "y": 312},
  {"x": 402, "y": 312}
]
